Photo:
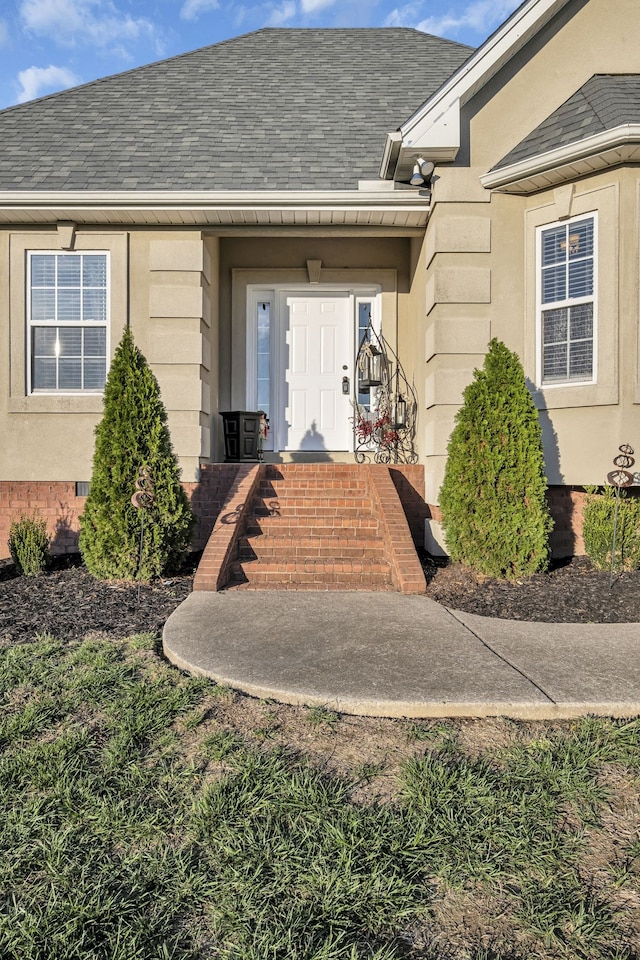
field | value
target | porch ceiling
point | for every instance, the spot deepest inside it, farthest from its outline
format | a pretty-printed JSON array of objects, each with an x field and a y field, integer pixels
[{"x": 395, "y": 210}]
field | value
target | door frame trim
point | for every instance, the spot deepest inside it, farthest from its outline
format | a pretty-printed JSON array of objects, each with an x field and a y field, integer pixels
[{"x": 275, "y": 294}]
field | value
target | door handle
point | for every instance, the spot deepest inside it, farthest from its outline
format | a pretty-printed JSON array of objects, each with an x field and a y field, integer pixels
[{"x": 346, "y": 387}]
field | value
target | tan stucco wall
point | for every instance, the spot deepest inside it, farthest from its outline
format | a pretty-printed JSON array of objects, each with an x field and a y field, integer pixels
[
  {"x": 480, "y": 273},
  {"x": 161, "y": 282}
]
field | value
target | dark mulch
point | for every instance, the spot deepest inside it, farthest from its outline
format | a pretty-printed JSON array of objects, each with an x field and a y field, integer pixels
[
  {"x": 67, "y": 602},
  {"x": 571, "y": 592}
]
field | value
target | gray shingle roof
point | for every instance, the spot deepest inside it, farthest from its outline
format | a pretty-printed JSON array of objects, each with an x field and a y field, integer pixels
[
  {"x": 604, "y": 102},
  {"x": 275, "y": 109}
]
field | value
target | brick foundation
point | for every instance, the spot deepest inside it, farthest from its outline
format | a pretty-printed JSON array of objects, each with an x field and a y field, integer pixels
[
  {"x": 58, "y": 504},
  {"x": 61, "y": 508}
]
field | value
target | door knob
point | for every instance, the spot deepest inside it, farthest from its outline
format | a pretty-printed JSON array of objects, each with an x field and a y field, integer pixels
[{"x": 346, "y": 388}]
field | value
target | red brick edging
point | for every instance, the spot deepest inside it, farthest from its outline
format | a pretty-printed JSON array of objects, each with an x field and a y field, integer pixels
[
  {"x": 406, "y": 569},
  {"x": 213, "y": 572}
]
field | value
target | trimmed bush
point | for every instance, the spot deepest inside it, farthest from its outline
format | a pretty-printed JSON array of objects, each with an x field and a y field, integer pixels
[
  {"x": 493, "y": 497},
  {"x": 29, "y": 545},
  {"x": 133, "y": 437},
  {"x": 597, "y": 529}
]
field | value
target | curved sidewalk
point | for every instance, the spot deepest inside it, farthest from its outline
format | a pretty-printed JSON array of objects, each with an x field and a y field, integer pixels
[{"x": 389, "y": 655}]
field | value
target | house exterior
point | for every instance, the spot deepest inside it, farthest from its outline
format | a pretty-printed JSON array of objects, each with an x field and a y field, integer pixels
[{"x": 245, "y": 208}]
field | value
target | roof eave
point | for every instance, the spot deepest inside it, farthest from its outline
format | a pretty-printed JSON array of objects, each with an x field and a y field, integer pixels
[
  {"x": 352, "y": 207},
  {"x": 607, "y": 149}
]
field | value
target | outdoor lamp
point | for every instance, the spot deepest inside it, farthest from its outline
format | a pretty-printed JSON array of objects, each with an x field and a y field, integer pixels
[
  {"x": 371, "y": 368},
  {"x": 400, "y": 413},
  {"x": 417, "y": 179},
  {"x": 426, "y": 167}
]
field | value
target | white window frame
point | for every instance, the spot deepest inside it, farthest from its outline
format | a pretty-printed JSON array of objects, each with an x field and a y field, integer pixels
[
  {"x": 55, "y": 322},
  {"x": 566, "y": 303},
  {"x": 272, "y": 294}
]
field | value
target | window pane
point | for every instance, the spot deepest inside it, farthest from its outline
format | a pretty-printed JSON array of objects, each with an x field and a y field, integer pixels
[
  {"x": 94, "y": 271},
  {"x": 581, "y": 360},
  {"x": 555, "y": 325},
  {"x": 582, "y": 321},
  {"x": 95, "y": 342},
  {"x": 555, "y": 361},
  {"x": 552, "y": 251},
  {"x": 44, "y": 374},
  {"x": 554, "y": 284},
  {"x": 68, "y": 271},
  {"x": 70, "y": 340},
  {"x": 94, "y": 303},
  {"x": 70, "y": 374},
  {"x": 43, "y": 270},
  {"x": 95, "y": 372},
  {"x": 69, "y": 305},
  {"x": 43, "y": 305},
  {"x": 581, "y": 278},
  {"x": 580, "y": 239},
  {"x": 44, "y": 341}
]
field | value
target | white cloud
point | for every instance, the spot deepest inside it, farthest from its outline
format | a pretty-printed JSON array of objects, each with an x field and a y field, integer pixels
[
  {"x": 282, "y": 14},
  {"x": 69, "y": 22},
  {"x": 191, "y": 9},
  {"x": 36, "y": 81},
  {"x": 482, "y": 17},
  {"x": 310, "y": 6}
]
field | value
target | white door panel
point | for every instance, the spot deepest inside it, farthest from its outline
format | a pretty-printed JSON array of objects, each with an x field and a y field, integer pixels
[{"x": 317, "y": 348}]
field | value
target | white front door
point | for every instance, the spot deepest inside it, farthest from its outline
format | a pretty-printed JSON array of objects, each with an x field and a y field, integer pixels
[{"x": 318, "y": 354}]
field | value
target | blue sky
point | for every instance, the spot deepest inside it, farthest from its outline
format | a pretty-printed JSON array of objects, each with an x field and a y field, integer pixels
[{"x": 47, "y": 45}]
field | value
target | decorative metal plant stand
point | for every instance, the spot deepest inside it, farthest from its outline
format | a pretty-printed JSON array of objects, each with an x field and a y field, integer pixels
[
  {"x": 619, "y": 478},
  {"x": 385, "y": 404}
]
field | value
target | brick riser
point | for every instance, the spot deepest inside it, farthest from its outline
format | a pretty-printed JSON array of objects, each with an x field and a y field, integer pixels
[{"x": 312, "y": 533}]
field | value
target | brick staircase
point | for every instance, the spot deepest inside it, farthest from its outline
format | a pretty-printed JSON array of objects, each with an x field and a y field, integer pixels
[
  {"x": 312, "y": 530},
  {"x": 311, "y": 526}
]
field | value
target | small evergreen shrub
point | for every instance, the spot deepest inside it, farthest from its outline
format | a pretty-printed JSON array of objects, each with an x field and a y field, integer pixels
[
  {"x": 29, "y": 545},
  {"x": 597, "y": 529},
  {"x": 493, "y": 497},
  {"x": 131, "y": 438}
]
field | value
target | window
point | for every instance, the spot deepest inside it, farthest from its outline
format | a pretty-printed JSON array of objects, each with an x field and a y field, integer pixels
[
  {"x": 68, "y": 311},
  {"x": 567, "y": 321},
  {"x": 263, "y": 346}
]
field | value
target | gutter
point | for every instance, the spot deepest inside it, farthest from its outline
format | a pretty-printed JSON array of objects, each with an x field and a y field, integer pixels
[{"x": 625, "y": 135}]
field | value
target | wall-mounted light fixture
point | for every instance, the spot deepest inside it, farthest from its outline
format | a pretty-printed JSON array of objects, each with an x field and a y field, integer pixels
[{"x": 422, "y": 171}]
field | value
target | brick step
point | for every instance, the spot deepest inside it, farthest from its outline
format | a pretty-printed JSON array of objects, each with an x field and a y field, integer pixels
[
  {"x": 295, "y": 548},
  {"x": 310, "y": 507},
  {"x": 320, "y": 488},
  {"x": 373, "y": 572},
  {"x": 293, "y": 525},
  {"x": 311, "y": 470},
  {"x": 316, "y": 585}
]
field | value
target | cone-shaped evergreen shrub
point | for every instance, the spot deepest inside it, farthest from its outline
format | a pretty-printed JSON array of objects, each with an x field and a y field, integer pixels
[
  {"x": 494, "y": 509},
  {"x": 133, "y": 435}
]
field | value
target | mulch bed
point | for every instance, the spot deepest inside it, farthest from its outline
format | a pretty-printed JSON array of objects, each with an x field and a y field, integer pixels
[
  {"x": 67, "y": 602},
  {"x": 572, "y": 591}
]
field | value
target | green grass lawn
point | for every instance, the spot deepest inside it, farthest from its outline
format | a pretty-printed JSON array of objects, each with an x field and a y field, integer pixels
[{"x": 139, "y": 822}]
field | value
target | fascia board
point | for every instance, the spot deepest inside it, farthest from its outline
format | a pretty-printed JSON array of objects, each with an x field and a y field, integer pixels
[
  {"x": 500, "y": 47},
  {"x": 621, "y": 136}
]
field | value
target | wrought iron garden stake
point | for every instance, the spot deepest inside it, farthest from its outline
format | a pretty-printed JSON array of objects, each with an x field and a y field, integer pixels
[
  {"x": 621, "y": 477},
  {"x": 142, "y": 500}
]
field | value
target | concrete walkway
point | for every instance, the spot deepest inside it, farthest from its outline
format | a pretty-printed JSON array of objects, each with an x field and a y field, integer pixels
[{"x": 385, "y": 654}]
